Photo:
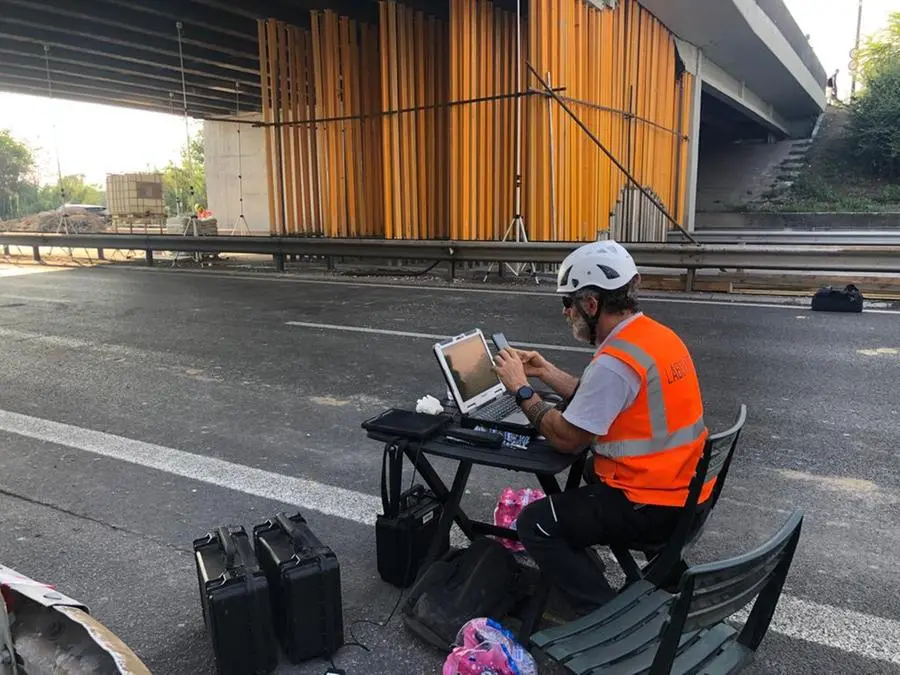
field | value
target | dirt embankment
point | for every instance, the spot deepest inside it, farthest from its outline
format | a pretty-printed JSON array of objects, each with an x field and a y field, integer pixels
[{"x": 80, "y": 221}]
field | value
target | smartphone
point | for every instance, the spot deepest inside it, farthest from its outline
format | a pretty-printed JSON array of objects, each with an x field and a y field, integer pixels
[{"x": 500, "y": 341}]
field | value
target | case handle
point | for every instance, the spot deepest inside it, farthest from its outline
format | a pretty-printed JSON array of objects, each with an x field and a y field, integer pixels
[
  {"x": 227, "y": 543},
  {"x": 290, "y": 528}
]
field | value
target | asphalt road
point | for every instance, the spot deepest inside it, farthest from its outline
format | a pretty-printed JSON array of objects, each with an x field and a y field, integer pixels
[{"x": 267, "y": 377}]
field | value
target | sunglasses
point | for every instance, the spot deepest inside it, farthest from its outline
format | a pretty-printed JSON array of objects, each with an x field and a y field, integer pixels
[{"x": 568, "y": 301}]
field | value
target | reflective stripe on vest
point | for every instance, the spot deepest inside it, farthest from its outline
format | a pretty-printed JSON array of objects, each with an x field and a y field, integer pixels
[
  {"x": 662, "y": 440},
  {"x": 685, "y": 435},
  {"x": 651, "y": 449}
]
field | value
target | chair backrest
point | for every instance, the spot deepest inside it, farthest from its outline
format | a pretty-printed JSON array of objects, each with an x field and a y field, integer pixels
[
  {"x": 722, "y": 446},
  {"x": 714, "y": 462},
  {"x": 710, "y": 593},
  {"x": 721, "y": 450}
]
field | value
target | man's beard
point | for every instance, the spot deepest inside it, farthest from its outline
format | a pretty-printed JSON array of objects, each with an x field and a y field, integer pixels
[{"x": 580, "y": 330}]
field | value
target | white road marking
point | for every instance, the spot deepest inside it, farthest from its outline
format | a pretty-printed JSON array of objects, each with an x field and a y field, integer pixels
[
  {"x": 327, "y": 499},
  {"x": 846, "y": 630},
  {"x": 426, "y": 336},
  {"x": 488, "y": 291}
]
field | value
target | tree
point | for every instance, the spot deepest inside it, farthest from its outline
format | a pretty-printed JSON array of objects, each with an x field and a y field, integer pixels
[
  {"x": 880, "y": 48},
  {"x": 16, "y": 167},
  {"x": 185, "y": 183},
  {"x": 874, "y": 130},
  {"x": 76, "y": 191}
]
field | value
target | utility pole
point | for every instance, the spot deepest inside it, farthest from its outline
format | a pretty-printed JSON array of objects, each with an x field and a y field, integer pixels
[{"x": 855, "y": 60}]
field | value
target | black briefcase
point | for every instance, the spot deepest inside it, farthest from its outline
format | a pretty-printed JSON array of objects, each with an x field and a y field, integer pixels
[
  {"x": 234, "y": 595},
  {"x": 404, "y": 532},
  {"x": 829, "y": 299},
  {"x": 402, "y": 539},
  {"x": 305, "y": 581}
]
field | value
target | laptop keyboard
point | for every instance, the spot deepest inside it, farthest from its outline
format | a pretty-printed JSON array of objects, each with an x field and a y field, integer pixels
[{"x": 498, "y": 409}]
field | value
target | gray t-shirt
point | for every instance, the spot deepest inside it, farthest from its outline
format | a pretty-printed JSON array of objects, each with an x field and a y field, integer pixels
[{"x": 608, "y": 386}]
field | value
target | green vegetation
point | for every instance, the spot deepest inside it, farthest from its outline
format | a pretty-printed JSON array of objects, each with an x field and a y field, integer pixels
[
  {"x": 185, "y": 183},
  {"x": 874, "y": 127},
  {"x": 22, "y": 195},
  {"x": 854, "y": 164}
]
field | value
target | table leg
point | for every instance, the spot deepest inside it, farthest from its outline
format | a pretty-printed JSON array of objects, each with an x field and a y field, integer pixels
[
  {"x": 627, "y": 563},
  {"x": 451, "y": 506},
  {"x": 576, "y": 472},
  {"x": 534, "y": 610},
  {"x": 549, "y": 484}
]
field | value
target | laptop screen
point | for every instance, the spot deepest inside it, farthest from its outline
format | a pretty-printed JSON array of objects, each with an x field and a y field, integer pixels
[{"x": 470, "y": 366}]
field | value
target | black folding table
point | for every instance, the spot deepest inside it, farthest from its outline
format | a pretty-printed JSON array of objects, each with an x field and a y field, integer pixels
[{"x": 538, "y": 459}]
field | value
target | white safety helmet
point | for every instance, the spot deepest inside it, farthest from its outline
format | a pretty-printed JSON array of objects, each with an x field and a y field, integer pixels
[{"x": 601, "y": 264}]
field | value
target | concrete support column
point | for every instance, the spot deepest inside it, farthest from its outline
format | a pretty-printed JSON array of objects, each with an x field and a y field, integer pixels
[{"x": 690, "y": 210}]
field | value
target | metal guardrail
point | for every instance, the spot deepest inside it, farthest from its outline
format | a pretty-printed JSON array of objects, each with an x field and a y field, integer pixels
[
  {"x": 794, "y": 237},
  {"x": 871, "y": 259}
]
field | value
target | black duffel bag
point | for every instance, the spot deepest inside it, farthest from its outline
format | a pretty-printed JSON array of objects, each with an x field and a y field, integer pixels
[
  {"x": 479, "y": 581},
  {"x": 829, "y": 299}
]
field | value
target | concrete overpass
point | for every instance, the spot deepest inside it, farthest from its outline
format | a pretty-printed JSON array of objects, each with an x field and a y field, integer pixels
[{"x": 755, "y": 74}]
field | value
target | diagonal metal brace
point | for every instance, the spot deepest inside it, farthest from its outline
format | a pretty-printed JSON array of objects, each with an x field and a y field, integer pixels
[{"x": 600, "y": 145}]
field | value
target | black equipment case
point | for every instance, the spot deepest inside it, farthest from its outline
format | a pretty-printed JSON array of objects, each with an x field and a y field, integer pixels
[
  {"x": 402, "y": 538},
  {"x": 305, "y": 581},
  {"x": 404, "y": 532},
  {"x": 234, "y": 595}
]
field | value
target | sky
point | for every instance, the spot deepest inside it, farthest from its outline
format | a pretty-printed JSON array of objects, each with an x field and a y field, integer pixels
[
  {"x": 831, "y": 26},
  {"x": 95, "y": 140}
]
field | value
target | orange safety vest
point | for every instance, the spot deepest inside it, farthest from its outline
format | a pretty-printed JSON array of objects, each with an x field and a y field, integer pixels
[{"x": 652, "y": 448}]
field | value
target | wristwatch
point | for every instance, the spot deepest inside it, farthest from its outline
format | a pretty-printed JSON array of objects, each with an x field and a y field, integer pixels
[{"x": 523, "y": 394}]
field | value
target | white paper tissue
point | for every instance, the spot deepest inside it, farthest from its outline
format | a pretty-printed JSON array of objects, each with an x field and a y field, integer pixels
[{"x": 429, "y": 404}]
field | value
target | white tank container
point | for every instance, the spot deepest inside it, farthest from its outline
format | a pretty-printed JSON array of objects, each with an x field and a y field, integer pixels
[{"x": 135, "y": 194}]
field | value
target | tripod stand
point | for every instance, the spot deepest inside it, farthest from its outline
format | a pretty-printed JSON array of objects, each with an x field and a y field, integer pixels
[
  {"x": 517, "y": 224},
  {"x": 240, "y": 223},
  {"x": 63, "y": 226}
]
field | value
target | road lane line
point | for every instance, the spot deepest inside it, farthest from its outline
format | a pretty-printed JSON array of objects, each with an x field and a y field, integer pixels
[
  {"x": 426, "y": 336},
  {"x": 843, "y": 629},
  {"x": 327, "y": 499}
]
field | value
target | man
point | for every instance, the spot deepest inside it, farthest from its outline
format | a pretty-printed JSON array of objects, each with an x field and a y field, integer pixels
[{"x": 637, "y": 405}]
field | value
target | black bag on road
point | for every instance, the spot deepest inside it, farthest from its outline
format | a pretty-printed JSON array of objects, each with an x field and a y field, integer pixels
[
  {"x": 481, "y": 580},
  {"x": 829, "y": 299}
]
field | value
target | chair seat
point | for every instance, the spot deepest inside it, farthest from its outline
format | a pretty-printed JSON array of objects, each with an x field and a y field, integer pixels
[{"x": 622, "y": 637}]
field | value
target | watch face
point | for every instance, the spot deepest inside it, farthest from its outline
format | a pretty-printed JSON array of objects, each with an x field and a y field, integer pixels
[{"x": 525, "y": 393}]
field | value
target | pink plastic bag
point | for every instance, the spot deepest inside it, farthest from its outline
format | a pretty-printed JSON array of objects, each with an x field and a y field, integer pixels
[
  {"x": 508, "y": 508},
  {"x": 484, "y": 647}
]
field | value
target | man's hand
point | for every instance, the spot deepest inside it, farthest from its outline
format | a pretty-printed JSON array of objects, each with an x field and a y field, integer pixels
[
  {"x": 510, "y": 370},
  {"x": 535, "y": 365}
]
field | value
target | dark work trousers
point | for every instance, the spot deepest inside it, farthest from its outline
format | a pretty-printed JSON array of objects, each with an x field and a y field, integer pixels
[{"x": 557, "y": 535}]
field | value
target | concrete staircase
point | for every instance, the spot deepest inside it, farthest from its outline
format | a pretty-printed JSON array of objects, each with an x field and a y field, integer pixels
[
  {"x": 737, "y": 175},
  {"x": 733, "y": 175},
  {"x": 787, "y": 171}
]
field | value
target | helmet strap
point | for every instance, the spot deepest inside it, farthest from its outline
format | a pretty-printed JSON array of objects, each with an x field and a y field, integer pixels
[{"x": 591, "y": 321}]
